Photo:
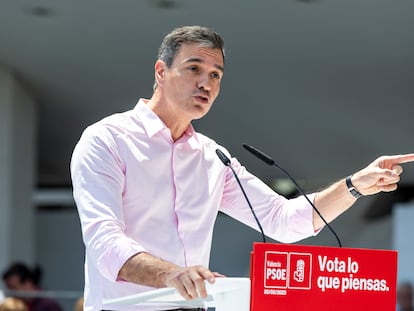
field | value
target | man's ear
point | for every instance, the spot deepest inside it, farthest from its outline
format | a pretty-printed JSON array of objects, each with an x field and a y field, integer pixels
[{"x": 160, "y": 67}]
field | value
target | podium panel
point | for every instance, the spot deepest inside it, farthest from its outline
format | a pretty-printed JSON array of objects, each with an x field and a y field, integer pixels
[
  {"x": 297, "y": 277},
  {"x": 226, "y": 294}
]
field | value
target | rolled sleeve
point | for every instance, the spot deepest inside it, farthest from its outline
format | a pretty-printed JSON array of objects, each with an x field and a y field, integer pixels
[
  {"x": 298, "y": 222},
  {"x": 114, "y": 257}
]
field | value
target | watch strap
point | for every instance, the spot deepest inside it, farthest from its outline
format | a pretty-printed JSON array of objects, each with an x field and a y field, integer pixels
[{"x": 352, "y": 190}]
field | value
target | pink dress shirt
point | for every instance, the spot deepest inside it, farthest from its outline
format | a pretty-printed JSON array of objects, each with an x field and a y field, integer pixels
[{"x": 137, "y": 190}]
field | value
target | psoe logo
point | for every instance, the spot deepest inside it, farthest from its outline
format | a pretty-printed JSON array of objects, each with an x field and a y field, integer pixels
[
  {"x": 300, "y": 270},
  {"x": 287, "y": 270},
  {"x": 276, "y": 270},
  {"x": 299, "y": 273}
]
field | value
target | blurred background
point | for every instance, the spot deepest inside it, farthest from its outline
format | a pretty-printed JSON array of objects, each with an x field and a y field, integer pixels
[{"x": 324, "y": 87}]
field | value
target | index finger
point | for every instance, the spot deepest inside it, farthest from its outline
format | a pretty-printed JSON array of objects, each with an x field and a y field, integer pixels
[
  {"x": 203, "y": 274},
  {"x": 207, "y": 275},
  {"x": 401, "y": 158}
]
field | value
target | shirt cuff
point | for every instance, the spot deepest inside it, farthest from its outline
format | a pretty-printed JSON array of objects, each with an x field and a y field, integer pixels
[{"x": 116, "y": 255}]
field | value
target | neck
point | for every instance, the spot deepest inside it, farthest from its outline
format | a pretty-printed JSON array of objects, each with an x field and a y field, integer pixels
[{"x": 172, "y": 118}]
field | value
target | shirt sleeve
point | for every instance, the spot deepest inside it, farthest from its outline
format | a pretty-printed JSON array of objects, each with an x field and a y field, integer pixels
[
  {"x": 283, "y": 220},
  {"x": 98, "y": 181}
]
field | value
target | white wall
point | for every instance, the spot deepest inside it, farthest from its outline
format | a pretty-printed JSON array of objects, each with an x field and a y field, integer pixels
[{"x": 18, "y": 128}]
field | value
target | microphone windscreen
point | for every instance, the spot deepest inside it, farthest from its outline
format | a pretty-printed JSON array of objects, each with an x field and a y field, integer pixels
[
  {"x": 259, "y": 154},
  {"x": 223, "y": 157}
]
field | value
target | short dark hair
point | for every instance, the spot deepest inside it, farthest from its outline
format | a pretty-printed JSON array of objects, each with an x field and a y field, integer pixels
[
  {"x": 23, "y": 272},
  {"x": 205, "y": 37}
]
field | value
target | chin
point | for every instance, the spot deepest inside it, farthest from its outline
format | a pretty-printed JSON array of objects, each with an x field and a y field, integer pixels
[
  {"x": 199, "y": 116},
  {"x": 200, "y": 111}
]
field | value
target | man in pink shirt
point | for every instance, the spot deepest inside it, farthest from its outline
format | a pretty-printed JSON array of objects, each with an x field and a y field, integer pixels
[{"x": 148, "y": 187}]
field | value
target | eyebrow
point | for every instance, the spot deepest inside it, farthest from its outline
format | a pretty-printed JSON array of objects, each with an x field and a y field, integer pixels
[{"x": 199, "y": 60}]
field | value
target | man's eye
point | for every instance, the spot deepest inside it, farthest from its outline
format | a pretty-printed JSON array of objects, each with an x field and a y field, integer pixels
[
  {"x": 216, "y": 75},
  {"x": 193, "y": 68}
]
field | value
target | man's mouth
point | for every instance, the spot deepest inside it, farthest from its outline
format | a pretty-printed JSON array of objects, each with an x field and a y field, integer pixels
[{"x": 201, "y": 98}]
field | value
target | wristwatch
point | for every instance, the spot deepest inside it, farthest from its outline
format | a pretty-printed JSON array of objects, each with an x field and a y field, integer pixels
[{"x": 355, "y": 193}]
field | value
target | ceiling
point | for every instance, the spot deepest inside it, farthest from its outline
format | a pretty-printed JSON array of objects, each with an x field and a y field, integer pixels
[{"x": 322, "y": 86}]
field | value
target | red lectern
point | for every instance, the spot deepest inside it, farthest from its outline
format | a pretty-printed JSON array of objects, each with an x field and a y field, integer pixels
[{"x": 297, "y": 277}]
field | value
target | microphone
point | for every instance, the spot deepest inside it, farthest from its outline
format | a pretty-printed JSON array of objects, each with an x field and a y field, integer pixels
[
  {"x": 265, "y": 158},
  {"x": 226, "y": 161}
]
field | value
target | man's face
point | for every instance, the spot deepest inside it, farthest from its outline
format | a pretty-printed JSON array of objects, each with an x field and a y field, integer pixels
[
  {"x": 192, "y": 83},
  {"x": 13, "y": 283}
]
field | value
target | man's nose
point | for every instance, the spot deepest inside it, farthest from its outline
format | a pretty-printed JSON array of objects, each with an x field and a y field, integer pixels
[{"x": 204, "y": 82}]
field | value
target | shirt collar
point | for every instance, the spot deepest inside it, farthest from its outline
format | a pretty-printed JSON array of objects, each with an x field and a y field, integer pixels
[{"x": 153, "y": 124}]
